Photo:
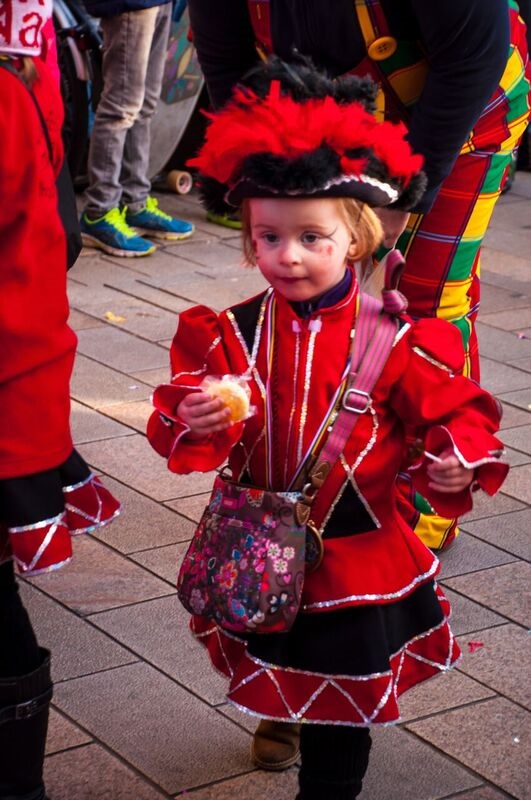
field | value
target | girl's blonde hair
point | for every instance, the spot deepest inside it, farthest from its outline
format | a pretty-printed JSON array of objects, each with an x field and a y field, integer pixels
[{"x": 360, "y": 219}]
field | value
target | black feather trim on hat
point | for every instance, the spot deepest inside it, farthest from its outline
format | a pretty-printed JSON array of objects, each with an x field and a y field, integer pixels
[{"x": 303, "y": 81}]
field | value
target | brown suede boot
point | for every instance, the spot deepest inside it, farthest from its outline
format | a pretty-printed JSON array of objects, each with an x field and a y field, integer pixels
[{"x": 275, "y": 745}]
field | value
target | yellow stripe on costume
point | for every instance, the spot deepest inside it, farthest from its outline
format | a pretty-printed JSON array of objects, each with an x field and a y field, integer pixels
[
  {"x": 480, "y": 217},
  {"x": 367, "y": 28},
  {"x": 454, "y": 303},
  {"x": 408, "y": 82},
  {"x": 513, "y": 72}
]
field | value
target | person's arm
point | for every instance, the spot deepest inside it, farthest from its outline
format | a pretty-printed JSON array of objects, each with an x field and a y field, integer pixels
[
  {"x": 225, "y": 44},
  {"x": 197, "y": 350},
  {"x": 454, "y": 419},
  {"x": 466, "y": 44}
]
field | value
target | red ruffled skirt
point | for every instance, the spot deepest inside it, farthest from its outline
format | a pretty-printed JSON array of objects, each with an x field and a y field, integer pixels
[{"x": 344, "y": 667}]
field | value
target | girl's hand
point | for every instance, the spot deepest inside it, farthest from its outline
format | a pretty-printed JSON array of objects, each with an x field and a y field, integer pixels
[
  {"x": 393, "y": 224},
  {"x": 448, "y": 475},
  {"x": 203, "y": 414}
]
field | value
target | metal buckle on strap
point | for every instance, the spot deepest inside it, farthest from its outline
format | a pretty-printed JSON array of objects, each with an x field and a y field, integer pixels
[{"x": 355, "y": 408}]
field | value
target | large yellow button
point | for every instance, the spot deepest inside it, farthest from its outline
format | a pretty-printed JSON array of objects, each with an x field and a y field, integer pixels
[{"x": 382, "y": 48}]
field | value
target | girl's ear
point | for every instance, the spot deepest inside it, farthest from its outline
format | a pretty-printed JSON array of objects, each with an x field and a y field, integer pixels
[{"x": 352, "y": 251}]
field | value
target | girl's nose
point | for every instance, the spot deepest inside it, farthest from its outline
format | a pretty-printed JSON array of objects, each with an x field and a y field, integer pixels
[{"x": 289, "y": 253}]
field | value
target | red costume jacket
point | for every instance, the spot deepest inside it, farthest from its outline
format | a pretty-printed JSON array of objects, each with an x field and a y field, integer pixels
[
  {"x": 36, "y": 345},
  {"x": 296, "y": 368}
]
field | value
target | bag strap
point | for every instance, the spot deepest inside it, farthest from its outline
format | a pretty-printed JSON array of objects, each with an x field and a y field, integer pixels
[{"x": 375, "y": 331}]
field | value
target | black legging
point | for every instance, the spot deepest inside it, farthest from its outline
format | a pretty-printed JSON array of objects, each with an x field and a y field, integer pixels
[
  {"x": 19, "y": 652},
  {"x": 334, "y": 759}
]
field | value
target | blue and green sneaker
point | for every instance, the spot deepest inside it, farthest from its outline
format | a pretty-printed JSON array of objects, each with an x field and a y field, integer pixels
[
  {"x": 113, "y": 235},
  {"x": 157, "y": 224}
]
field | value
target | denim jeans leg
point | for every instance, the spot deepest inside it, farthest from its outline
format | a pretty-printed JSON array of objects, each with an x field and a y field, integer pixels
[
  {"x": 127, "y": 41},
  {"x": 135, "y": 176}
]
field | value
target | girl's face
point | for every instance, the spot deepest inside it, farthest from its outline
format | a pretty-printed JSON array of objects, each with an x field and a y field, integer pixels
[{"x": 301, "y": 245}]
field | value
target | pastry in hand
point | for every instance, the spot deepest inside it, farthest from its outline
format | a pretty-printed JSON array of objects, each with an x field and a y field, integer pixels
[{"x": 233, "y": 392}]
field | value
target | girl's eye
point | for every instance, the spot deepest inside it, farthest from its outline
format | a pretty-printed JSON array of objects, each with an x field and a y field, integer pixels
[
  {"x": 310, "y": 238},
  {"x": 270, "y": 238}
]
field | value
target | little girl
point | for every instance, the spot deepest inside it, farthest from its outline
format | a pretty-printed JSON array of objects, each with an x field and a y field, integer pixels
[{"x": 306, "y": 161}]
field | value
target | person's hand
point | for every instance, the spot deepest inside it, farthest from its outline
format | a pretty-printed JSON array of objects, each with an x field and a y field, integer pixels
[
  {"x": 393, "y": 224},
  {"x": 203, "y": 414},
  {"x": 448, "y": 475}
]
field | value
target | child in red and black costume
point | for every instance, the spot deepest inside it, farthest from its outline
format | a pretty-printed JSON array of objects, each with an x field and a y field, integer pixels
[
  {"x": 47, "y": 492},
  {"x": 306, "y": 159}
]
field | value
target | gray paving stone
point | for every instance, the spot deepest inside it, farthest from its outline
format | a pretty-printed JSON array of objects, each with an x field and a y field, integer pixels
[
  {"x": 216, "y": 293},
  {"x": 98, "y": 579},
  {"x": 512, "y": 417},
  {"x": 447, "y": 690},
  {"x": 257, "y": 785},
  {"x": 483, "y": 793},
  {"x": 80, "y": 321},
  {"x": 62, "y": 734},
  {"x": 521, "y": 363},
  {"x": 168, "y": 734},
  {"x": 507, "y": 531},
  {"x": 495, "y": 298},
  {"x": 467, "y": 554},
  {"x": 191, "y": 507},
  {"x": 468, "y": 616},
  {"x": 518, "y": 483},
  {"x": 519, "y": 438},
  {"x": 120, "y": 350},
  {"x": 521, "y": 399},
  {"x": 135, "y": 463},
  {"x": 499, "y": 378},
  {"x": 485, "y": 506},
  {"x": 203, "y": 253},
  {"x": 91, "y": 773},
  {"x": 154, "y": 377},
  {"x": 163, "y": 561},
  {"x": 89, "y": 426},
  {"x": 143, "y": 523},
  {"x": 96, "y": 385},
  {"x": 514, "y": 320},
  {"x": 78, "y": 648},
  {"x": 510, "y": 216},
  {"x": 522, "y": 185},
  {"x": 502, "y": 663},
  {"x": 503, "y": 588},
  {"x": 503, "y": 345},
  {"x": 158, "y": 632},
  {"x": 515, "y": 458},
  {"x": 138, "y": 288},
  {"x": 137, "y": 316},
  {"x": 391, "y": 773},
  {"x": 489, "y": 738},
  {"x": 509, "y": 247},
  {"x": 135, "y": 415}
]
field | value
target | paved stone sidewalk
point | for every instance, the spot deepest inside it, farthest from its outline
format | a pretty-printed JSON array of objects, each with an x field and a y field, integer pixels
[{"x": 137, "y": 711}]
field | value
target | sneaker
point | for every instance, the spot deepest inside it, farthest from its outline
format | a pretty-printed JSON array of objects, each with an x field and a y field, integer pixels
[
  {"x": 112, "y": 234},
  {"x": 157, "y": 224},
  {"x": 227, "y": 220}
]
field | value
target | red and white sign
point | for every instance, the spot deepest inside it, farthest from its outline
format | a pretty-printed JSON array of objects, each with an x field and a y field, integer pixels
[{"x": 21, "y": 24}]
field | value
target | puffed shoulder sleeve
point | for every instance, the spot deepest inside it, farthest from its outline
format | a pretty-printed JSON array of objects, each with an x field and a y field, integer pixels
[
  {"x": 197, "y": 350},
  {"x": 447, "y": 411}
]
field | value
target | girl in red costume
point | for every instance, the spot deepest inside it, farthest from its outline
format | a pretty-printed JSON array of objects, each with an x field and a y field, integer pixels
[
  {"x": 373, "y": 621},
  {"x": 47, "y": 492}
]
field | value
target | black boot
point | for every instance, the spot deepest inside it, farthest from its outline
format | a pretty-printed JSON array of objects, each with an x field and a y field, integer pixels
[
  {"x": 24, "y": 707},
  {"x": 334, "y": 760}
]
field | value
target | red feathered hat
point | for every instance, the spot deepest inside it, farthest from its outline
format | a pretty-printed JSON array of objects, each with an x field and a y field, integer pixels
[{"x": 290, "y": 131}]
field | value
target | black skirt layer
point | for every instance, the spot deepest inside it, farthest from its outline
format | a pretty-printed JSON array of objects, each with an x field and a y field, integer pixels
[{"x": 353, "y": 641}]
